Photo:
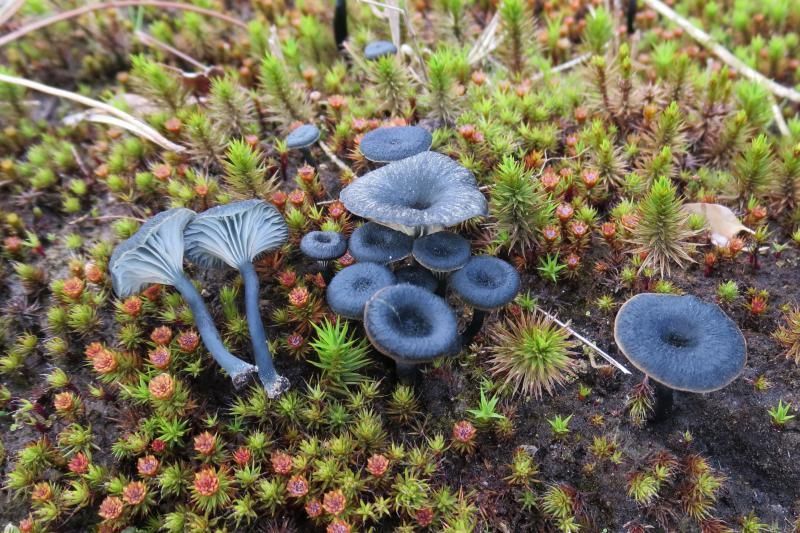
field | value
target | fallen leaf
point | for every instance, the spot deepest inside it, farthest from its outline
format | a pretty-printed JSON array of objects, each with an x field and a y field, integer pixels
[{"x": 721, "y": 222}]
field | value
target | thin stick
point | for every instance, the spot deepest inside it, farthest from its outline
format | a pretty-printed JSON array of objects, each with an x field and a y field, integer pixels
[
  {"x": 149, "y": 40},
  {"x": 59, "y": 17},
  {"x": 778, "y": 114},
  {"x": 134, "y": 124},
  {"x": 336, "y": 161},
  {"x": 486, "y": 43},
  {"x": 10, "y": 9},
  {"x": 586, "y": 341},
  {"x": 722, "y": 53},
  {"x": 572, "y": 63}
]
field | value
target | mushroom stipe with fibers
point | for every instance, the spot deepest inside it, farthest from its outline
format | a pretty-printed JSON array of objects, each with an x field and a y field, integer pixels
[
  {"x": 235, "y": 235},
  {"x": 412, "y": 326},
  {"x": 681, "y": 343},
  {"x": 154, "y": 254}
]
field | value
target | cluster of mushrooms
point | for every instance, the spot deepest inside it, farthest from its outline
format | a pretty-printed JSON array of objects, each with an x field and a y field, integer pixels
[
  {"x": 230, "y": 235},
  {"x": 406, "y": 260}
]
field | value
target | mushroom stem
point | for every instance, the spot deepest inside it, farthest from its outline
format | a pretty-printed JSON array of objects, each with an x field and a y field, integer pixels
[
  {"x": 273, "y": 383},
  {"x": 406, "y": 373},
  {"x": 340, "y": 23},
  {"x": 664, "y": 401},
  {"x": 474, "y": 326},
  {"x": 308, "y": 158},
  {"x": 236, "y": 369}
]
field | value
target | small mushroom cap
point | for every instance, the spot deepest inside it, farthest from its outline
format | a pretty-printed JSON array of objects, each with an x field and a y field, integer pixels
[
  {"x": 351, "y": 287},
  {"x": 486, "y": 282},
  {"x": 235, "y": 233},
  {"x": 377, "y": 49},
  {"x": 374, "y": 243},
  {"x": 416, "y": 275},
  {"x": 443, "y": 251},
  {"x": 411, "y": 325},
  {"x": 154, "y": 254},
  {"x": 392, "y": 143},
  {"x": 323, "y": 245},
  {"x": 681, "y": 341},
  {"x": 427, "y": 191},
  {"x": 302, "y": 136}
]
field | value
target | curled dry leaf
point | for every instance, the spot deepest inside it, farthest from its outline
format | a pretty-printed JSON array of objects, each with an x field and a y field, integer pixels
[{"x": 722, "y": 223}]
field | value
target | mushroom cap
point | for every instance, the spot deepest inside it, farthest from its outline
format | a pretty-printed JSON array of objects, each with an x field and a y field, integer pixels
[
  {"x": 154, "y": 254},
  {"x": 411, "y": 325},
  {"x": 302, "y": 136},
  {"x": 374, "y": 243},
  {"x": 376, "y": 49},
  {"x": 428, "y": 190},
  {"x": 443, "y": 251},
  {"x": 416, "y": 275},
  {"x": 323, "y": 245},
  {"x": 485, "y": 282},
  {"x": 351, "y": 287},
  {"x": 680, "y": 341},
  {"x": 392, "y": 143},
  {"x": 234, "y": 234}
]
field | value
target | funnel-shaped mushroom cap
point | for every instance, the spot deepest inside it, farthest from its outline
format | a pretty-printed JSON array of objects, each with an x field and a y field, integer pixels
[
  {"x": 411, "y": 325},
  {"x": 416, "y": 275},
  {"x": 443, "y": 251},
  {"x": 486, "y": 282},
  {"x": 323, "y": 245},
  {"x": 377, "y": 49},
  {"x": 374, "y": 243},
  {"x": 154, "y": 254},
  {"x": 392, "y": 143},
  {"x": 681, "y": 341},
  {"x": 234, "y": 234},
  {"x": 302, "y": 136},
  {"x": 350, "y": 289},
  {"x": 426, "y": 192}
]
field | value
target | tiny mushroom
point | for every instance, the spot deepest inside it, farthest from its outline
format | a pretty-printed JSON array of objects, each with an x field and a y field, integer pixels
[
  {"x": 442, "y": 252},
  {"x": 412, "y": 326},
  {"x": 681, "y": 343},
  {"x": 378, "y": 49},
  {"x": 323, "y": 247},
  {"x": 417, "y": 195},
  {"x": 350, "y": 288},
  {"x": 234, "y": 235},
  {"x": 302, "y": 138},
  {"x": 154, "y": 254},
  {"x": 485, "y": 283},
  {"x": 416, "y": 275},
  {"x": 392, "y": 143},
  {"x": 374, "y": 243}
]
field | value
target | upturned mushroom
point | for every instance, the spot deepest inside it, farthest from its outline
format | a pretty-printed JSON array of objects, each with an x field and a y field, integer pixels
[
  {"x": 392, "y": 143},
  {"x": 375, "y": 243},
  {"x": 442, "y": 252},
  {"x": 418, "y": 195},
  {"x": 377, "y": 49},
  {"x": 154, "y": 254},
  {"x": 235, "y": 235},
  {"x": 302, "y": 138},
  {"x": 350, "y": 288},
  {"x": 323, "y": 247},
  {"x": 411, "y": 326},
  {"x": 485, "y": 283},
  {"x": 681, "y": 343}
]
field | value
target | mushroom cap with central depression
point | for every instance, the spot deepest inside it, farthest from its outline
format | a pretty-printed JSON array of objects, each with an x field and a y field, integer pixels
[
  {"x": 351, "y": 287},
  {"x": 680, "y": 341},
  {"x": 234, "y": 234},
  {"x": 411, "y": 325},
  {"x": 323, "y": 245},
  {"x": 374, "y": 243},
  {"x": 486, "y": 282},
  {"x": 443, "y": 251},
  {"x": 425, "y": 192},
  {"x": 392, "y": 143},
  {"x": 154, "y": 254}
]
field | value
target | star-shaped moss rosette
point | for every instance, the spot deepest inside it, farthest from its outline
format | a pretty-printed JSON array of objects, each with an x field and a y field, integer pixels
[{"x": 417, "y": 195}]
